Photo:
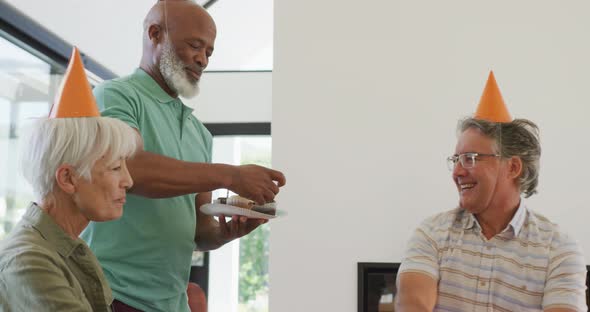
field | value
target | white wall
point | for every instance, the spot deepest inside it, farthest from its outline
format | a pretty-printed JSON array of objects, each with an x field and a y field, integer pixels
[
  {"x": 366, "y": 96},
  {"x": 234, "y": 97}
]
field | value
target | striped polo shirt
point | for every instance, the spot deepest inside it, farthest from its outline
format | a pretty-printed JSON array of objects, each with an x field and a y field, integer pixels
[{"x": 530, "y": 266}]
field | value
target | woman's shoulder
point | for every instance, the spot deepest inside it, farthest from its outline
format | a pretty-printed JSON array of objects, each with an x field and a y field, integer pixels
[{"x": 25, "y": 247}]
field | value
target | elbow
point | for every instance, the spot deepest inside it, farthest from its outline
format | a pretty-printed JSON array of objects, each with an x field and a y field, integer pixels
[{"x": 202, "y": 245}]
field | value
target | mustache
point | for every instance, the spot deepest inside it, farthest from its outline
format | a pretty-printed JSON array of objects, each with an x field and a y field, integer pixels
[{"x": 195, "y": 68}]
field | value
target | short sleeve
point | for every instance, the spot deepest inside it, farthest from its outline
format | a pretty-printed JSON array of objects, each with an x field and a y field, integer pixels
[
  {"x": 209, "y": 149},
  {"x": 422, "y": 252},
  {"x": 32, "y": 281},
  {"x": 118, "y": 101},
  {"x": 565, "y": 285}
]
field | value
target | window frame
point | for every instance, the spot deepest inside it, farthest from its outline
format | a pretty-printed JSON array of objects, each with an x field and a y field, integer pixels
[
  {"x": 200, "y": 275},
  {"x": 29, "y": 35}
]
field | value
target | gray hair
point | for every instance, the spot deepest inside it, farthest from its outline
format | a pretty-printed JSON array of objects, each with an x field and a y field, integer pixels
[
  {"x": 519, "y": 138},
  {"x": 79, "y": 142}
]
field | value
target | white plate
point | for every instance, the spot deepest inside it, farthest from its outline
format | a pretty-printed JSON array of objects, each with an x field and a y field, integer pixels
[{"x": 227, "y": 210}]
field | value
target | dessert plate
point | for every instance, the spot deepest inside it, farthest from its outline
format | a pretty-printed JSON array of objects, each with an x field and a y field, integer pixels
[{"x": 216, "y": 209}]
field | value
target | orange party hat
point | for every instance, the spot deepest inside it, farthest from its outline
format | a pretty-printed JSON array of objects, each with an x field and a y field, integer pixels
[
  {"x": 491, "y": 105},
  {"x": 74, "y": 98}
]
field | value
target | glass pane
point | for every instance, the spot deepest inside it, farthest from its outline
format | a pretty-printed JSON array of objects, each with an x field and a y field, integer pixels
[
  {"x": 381, "y": 291},
  {"x": 244, "y": 26},
  {"x": 252, "y": 274},
  {"x": 253, "y": 287},
  {"x": 26, "y": 85}
]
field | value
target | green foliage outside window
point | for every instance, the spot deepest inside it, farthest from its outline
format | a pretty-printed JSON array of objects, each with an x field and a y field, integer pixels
[
  {"x": 253, "y": 282},
  {"x": 254, "y": 264}
]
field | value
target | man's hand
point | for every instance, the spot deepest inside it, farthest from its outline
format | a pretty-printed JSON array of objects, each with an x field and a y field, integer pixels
[
  {"x": 212, "y": 234},
  {"x": 257, "y": 183},
  {"x": 238, "y": 226},
  {"x": 158, "y": 176}
]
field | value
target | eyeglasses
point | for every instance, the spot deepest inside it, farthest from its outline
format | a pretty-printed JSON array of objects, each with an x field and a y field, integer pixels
[{"x": 467, "y": 160}]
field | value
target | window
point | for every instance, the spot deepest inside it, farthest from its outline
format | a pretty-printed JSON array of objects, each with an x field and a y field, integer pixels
[
  {"x": 26, "y": 87},
  {"x": 28, "y": 82},
  {"x": 245, "y": 26},
  {"x": 32, "y": 62},
  {"x": 238, "y": 276}
]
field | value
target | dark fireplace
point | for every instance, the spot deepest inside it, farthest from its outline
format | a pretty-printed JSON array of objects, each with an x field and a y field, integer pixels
[{"x": 376, "y": 286}]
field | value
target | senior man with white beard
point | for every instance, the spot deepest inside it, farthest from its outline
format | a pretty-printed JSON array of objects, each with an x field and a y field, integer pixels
[{"x": 146, "y": 254}]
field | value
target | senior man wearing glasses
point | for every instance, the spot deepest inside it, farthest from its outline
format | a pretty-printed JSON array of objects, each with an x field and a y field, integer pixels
[{"x": 492, "y": 253}]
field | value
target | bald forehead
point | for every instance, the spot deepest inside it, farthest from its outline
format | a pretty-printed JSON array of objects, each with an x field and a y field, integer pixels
[{"x": 175, "y": 14}]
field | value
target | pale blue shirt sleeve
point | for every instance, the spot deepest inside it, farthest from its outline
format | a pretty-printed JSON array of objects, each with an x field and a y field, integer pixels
[
  {"x": 422, "y": 252},
  {"x": 565, "y": 285}
]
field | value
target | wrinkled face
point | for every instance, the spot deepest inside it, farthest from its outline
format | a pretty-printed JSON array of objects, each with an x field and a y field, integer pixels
[
  {"x": 478, "y": 186},
  {"x": 102, "y": 198},
  {"x": 178, "y": 76},
  {"x": 185, "y": 53}
]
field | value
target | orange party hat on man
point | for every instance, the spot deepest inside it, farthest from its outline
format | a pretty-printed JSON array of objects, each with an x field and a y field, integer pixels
[
  {"x": 74, "y": 98},
  {"x": 491, "y": 105}
]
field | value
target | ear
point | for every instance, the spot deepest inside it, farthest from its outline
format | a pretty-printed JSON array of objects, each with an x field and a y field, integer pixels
[
  {"x": 155, "y": 33},
  {"x": 66, "y": 178},
  {"x": 514, "y": 167}
]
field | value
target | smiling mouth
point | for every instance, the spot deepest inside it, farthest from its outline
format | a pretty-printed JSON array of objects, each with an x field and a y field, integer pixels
[{"x": 466, "y": 186}]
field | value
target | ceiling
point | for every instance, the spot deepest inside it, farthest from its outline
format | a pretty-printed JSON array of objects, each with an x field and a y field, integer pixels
[{"x": 110, "y": 30}]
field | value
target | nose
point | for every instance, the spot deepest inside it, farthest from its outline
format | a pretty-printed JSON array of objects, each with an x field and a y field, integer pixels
[
  {"x": 127, "y": 181},
  {"x": 458, "y": 170},
  {"x": 202, "y": 59}
]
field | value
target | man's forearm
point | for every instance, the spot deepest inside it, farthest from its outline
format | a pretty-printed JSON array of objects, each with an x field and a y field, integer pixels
[
  {"x": 209, "y": 239},
  {"x": 411, "y": 307},
  {"x": 405, "y": 302},
  {"x": 158, "y": 176},
  {"x": 417, "y": 292},
  {"x": 207, "y": 236}
]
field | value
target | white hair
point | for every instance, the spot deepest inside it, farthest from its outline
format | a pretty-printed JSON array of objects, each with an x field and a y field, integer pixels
[{"x": 79, "y": 142}]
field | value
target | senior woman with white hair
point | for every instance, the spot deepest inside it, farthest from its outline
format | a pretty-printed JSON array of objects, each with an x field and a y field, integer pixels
[{"x": 75, "y": 161}]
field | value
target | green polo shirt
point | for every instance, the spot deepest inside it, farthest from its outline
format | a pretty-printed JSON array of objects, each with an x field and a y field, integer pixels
[
  {"x": 43, "y": 269},
  {"x": 146, "y": 254}
]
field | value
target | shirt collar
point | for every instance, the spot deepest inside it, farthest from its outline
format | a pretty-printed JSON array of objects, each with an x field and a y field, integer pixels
[
  {"x": 518, "y": 219},
  {"x": 152, "y": 86},
  {"x": 50, "y": 231},
  {"x": 154, "y": 89},
  {"x": 469, "y": 221}
]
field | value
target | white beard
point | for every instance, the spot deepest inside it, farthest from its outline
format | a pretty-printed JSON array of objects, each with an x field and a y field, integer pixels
[{"x": 173, "y": 72}]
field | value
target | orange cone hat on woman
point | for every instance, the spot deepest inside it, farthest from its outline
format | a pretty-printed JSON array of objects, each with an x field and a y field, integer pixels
[
  {"x": 74, "y": 98},
  {"x": 491, "y": 105}
]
